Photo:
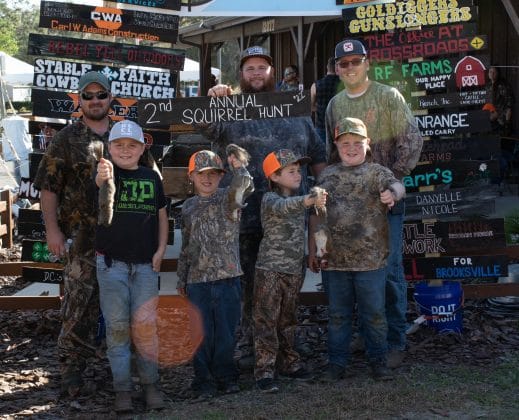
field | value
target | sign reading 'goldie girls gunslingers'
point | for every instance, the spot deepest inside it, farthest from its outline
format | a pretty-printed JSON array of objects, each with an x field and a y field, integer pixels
[
  {"x": 406, "y": 14},
  {"x": 109, "y": 21}
]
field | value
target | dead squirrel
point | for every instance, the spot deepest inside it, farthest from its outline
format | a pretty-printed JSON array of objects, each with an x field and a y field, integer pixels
[{"x": 106, "y": 195}]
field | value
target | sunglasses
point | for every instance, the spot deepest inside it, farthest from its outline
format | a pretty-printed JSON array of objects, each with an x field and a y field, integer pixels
[
  {"x": 355, "y": 63},
  {"x": 88, "y": 96}
]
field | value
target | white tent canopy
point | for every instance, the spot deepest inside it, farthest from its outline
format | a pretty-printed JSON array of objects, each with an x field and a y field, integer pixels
[
  {"x": 14, "y": 71},
  {"x": 191, "y": 72}
]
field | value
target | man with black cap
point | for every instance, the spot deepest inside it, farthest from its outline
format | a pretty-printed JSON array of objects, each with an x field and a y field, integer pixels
[
  {"x": 396, "y": 143},
  {"x": 67, "y": 199},
  {"x": 259, "y": 138}
]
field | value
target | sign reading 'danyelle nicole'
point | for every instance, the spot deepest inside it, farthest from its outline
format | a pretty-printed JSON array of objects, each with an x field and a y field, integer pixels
[
  {"x": 109, "y": 21},
  {"x": 407, "y": 14},
  {"x": 207, "y": 109},
  {"x": 110, "y": 52},
  {"x": 135, "y": 83}
]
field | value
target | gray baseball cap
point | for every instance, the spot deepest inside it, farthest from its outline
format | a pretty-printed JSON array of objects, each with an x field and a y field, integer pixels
[
  {"x": 93, "y": 77},
  {"x": 126, "y": 129}
]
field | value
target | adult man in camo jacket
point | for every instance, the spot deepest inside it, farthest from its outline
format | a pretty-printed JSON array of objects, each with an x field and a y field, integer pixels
[
  {"x": 396, "y": 143},
  {"x": 68, "y": 205},
  {"x": 259, "y": 138}
]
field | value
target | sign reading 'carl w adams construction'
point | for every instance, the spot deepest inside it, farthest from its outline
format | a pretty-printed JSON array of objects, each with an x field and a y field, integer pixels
[
  {"x": 109, "y": 21},
  {"x": 135, "y": 83},
  {"x": 110, "y": 52}
]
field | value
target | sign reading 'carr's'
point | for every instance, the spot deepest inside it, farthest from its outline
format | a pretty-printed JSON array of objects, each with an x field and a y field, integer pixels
[
  {"x": 135, "y": 83},
  {"x": 110, "y": 52},
  {"x": 207, "y": 110},
  {"x": 109, "y": 21}
]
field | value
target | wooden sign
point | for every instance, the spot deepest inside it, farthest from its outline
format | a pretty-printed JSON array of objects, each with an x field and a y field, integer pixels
[
  {"x": 463, "y": 173},
  {"x": 453, "y": 123},
  {"x": 108, "y": 21},
  {"x": 405, "y": 15},
  {"x": 27, "y": 189},
  {"x": 450, "y": 100},
  {"x": 481, "y": 147},
  {"x": 30, "y": 223},
  {"x": 206, "y": 109},
  {"x": 459, "y": 267},
  {"x": 42, "y": 275},
  {"x": 109, "y": 52},
  {"x": 125, "y": 82},
  {"x": 454, "y": 237},
  {"x": 162, "y": 4},
  {"x": 458, "y": 202}
]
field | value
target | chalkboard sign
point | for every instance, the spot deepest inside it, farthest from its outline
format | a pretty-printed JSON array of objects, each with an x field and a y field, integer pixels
[
  {"x": 459, "y": 267},
  {"x": 42, "y": 275},
  {"x": 108, "y": 21},
  {"x": 163, "y": 4},
  {"x": 36, "y": 250},
  {"x": 451, "y": 203},
  {"x": 463, "y": 173},
  {"x": 453, "y": 237},
  {"x": 206, "y": 109},
  {"x": 480, "y": 147},
  {"x": 109, "y": 52},
  {"x": 125, "y": 82},
  {"x": 27, "y": 189},
  {"x": 405, "y": 15},
  {"x": 453, "y": 123},
  {"x": 450, "y": 100},
  {"x": 30, "y": 222}
]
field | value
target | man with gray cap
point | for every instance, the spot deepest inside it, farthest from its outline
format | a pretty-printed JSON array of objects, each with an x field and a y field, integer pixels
[
  {"x": 259, "y": 138},
  {"x": 396, "y": 144},
  {"x": 65, "y": 179}
]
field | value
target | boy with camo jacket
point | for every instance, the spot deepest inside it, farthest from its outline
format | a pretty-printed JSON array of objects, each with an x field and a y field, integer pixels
[
  {"x": 279, "y": 269},
  {"x": 209, "y": 264}
]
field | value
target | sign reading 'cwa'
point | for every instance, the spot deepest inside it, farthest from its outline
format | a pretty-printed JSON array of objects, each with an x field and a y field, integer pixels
[{"x": 109, "y": 21}]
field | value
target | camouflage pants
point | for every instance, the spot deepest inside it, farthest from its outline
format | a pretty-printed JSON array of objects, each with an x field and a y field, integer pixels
[
  {"x": 275, "y": 304},
  {"x": 249, "y": 247},
  {"x": 79, "y": 313}
]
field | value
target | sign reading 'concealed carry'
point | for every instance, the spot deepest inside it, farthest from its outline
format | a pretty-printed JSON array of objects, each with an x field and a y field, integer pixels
[
  {"x": 207, "y": 110},
  {"x": 453, "y": 123},
  {"x": 109, "y": 21},
  {"x": 110, "y": 52},
  {"x": 125, "y": 82}
]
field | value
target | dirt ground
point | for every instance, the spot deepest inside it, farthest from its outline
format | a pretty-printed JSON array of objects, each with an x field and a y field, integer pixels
[{"x": 470, "y": 375}]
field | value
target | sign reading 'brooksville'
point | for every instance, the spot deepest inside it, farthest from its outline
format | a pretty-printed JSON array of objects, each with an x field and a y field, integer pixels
[
  {"x": 135, "y": 83},
  {"x": 206, "y": 110},
  {"x": 110, "y": 52},
  {"x": 109, "y": 21}
]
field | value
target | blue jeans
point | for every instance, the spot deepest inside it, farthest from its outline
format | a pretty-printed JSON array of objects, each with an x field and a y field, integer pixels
[
  {"x": 220, "y": 308},
  {"x": 396, "y": 286},
  {"x": 123, "y": 290},
  {"x": 368, "y": 289}
]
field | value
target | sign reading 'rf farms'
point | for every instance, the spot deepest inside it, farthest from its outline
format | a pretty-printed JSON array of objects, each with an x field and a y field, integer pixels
[{"x": 109, "y": 21}]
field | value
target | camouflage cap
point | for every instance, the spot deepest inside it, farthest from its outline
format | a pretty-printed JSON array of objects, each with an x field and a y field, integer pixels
[
  {"x": 352, "y": 126},
  {"x": 93, "y": 77},
  {"x": 126, "y": 129},
  {"x": 281, "y": 158},
  {"x": 349, "y": 47},
  {"x": 255, "y": 51},
  {"x": 204, "y": 160}
]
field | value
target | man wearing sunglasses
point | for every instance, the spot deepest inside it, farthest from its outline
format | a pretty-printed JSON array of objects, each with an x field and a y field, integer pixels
[
  {"x": 396, "y": 143},
  {"x": 65, "y": 180}
]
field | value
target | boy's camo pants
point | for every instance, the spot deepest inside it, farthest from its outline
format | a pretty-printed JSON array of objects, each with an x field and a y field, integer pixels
[{"x": 275, "y": 321}]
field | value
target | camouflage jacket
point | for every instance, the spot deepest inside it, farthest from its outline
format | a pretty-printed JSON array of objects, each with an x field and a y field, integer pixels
[
  {"x": 396, "y": 142},
  {"x": 210, "y": 249},
  {"x": 67, "y": 170},
  {"x": 356, "y": 218},
  {"x": 259, "y": 138},
  {"x": 283, "y": 245}
]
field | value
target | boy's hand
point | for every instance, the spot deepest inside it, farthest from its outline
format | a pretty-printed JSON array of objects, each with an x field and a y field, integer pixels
[
  {"x": 156, "y": 261},
  {"x": 388, "y": 198},
  {"x": 105, "y": 169},
  {"x": 313, "y": 264}
]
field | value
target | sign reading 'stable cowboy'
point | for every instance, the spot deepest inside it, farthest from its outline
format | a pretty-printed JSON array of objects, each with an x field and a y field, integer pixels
[
  {"x": 110, "y": 52},
  {"x": 109, "y": 21},
  {"x": 207, "y": 109},
  {"x": 135, "y": 83}
]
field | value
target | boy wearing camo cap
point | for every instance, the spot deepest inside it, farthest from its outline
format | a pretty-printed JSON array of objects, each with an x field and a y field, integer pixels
[
  {"x": 209, "y": 265},
  {"x": 361, "y": 194},
  {"x": 279, "y": 269}
]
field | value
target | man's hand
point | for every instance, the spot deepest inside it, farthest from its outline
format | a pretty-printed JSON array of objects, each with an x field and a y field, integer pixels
[{"x": 219, "y": 90}]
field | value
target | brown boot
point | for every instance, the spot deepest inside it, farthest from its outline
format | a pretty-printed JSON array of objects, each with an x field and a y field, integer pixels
[
  {"x": 123, "y": 402},
  {"x": 154, "y": 398}
]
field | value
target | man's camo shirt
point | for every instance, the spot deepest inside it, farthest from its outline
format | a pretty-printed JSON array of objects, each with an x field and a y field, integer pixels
[
  {"x": 259, "y": 138},
  {"x": 396, "y": 142},
  {"x": 283, "y": 245},
  {"x": 356, "y": 218},
  {"x": 210, "y": 249}
]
